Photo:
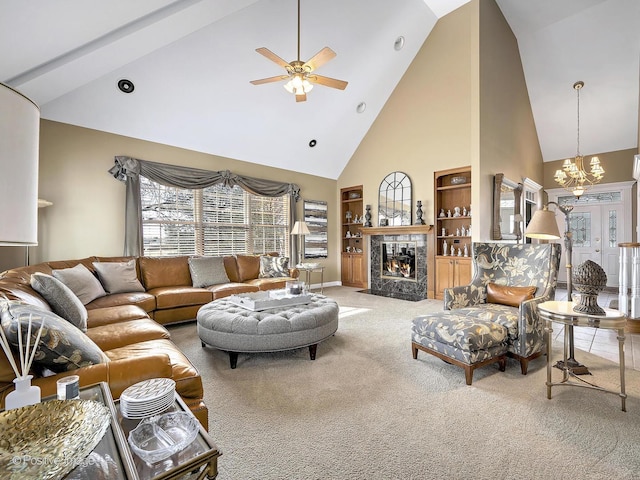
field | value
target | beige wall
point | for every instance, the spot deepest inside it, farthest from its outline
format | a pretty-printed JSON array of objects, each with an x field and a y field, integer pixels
[
  {"x": 618, "y": 167},
  {"x": 463, "y": 101},
  {"x": 87, "y": 215},
  {"x": 508, "y": 137},
  {"x": 426, "y": 123}
]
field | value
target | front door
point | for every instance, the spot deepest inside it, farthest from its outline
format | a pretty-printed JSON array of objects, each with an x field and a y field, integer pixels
[
  {"x": 595, "y": 231},
  {"x": 599, "y": 221}
]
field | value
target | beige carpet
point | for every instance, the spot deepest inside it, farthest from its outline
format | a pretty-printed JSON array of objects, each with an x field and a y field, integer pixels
[{"x": 364, "y": 409}]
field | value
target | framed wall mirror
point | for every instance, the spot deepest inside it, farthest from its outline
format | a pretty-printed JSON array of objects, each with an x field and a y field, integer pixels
[
  {"x": 507, "y": 215},
  {"x": 394, "y": 200}
]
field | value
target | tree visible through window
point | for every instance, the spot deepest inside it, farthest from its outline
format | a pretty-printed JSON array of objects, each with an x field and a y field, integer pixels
[{"x": 214, "y": 221}]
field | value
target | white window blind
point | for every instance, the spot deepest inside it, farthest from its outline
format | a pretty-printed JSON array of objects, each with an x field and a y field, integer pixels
[{"x": 213, "y": 221}]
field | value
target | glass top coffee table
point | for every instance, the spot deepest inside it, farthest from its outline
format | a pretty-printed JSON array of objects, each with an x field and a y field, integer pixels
[{"x": 113, "y": 457}]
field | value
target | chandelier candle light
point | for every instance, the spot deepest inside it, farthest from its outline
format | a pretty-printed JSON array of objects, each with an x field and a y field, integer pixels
[
  {"x": 573, "y": 177},
  {"x": 24, "y": 393}
]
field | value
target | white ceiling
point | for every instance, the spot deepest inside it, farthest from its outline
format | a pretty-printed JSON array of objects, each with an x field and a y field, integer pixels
[{"x": 191, "y": 62}]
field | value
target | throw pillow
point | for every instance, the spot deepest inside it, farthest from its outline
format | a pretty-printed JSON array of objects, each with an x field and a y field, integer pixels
[
  {"x": 118, "y": 277},
  {"x": 207, "y": 271},
  {"x": 271, "y": 267},
  {"x": 507, "y": 295},
  {"x": 62, "y": 346},
  {"x": 82, "y": 282},
  {"x": 62, "y": 300}
]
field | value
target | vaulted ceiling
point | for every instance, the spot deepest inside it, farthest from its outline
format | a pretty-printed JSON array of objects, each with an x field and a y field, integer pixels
[{"x": 191, "y": 62}]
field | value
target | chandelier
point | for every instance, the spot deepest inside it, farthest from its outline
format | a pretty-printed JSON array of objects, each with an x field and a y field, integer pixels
[{"x": 573, "y": 176}]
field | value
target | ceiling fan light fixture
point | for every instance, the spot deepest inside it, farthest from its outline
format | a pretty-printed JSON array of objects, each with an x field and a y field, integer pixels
[{"x": 298, "y": 85}]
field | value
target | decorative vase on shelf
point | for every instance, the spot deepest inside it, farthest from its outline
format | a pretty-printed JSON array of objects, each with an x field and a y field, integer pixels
[
  {"x": 23, "y": 395},
  {"x": 419, "y": 220},
  {"x": 367, "y": 216}
]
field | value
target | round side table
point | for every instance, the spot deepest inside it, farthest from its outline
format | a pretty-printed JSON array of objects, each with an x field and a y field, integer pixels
[{"x": 562, "y": 313}]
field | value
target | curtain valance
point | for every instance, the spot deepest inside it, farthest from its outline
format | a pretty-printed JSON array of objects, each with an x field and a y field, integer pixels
[
  {"x": 195, "y": 178},
  {"x": 129, "y": 170}
]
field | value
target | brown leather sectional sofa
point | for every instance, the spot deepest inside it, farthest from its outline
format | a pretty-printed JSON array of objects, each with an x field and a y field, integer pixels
[{"x": 128, "y": 327}]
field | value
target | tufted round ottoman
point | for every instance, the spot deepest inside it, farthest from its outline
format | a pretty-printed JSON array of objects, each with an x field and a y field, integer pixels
[{"x": 224, "y": 325}]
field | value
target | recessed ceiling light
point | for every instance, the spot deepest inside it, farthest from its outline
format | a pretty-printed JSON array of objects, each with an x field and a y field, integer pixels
[
  {"x": 361, "y": 107},
  {"x": 126, "y": 86},
  {"x": 312, "y": 143},
  {"x": 399, "y": 43}
]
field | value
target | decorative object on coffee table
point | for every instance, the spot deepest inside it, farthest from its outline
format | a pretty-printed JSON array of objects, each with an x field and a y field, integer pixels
[
  {"x": 158, "y": 437},
  {"x": 24, "y": 393},
  {"x": 589, "y": 279},
  {"x": 27, "y": 432}
]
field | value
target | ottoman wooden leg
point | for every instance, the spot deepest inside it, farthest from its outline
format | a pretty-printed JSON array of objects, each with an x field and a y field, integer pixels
[
  {"x": 233, "y": 359},
  {"x": 312, "y": 351},
  {"x": 468, "y": 374}
]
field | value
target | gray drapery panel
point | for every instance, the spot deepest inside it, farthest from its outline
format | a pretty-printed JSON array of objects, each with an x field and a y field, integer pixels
[{"x": 129, "y": 169}]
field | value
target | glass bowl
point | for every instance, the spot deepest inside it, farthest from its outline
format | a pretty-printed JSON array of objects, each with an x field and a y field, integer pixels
[{"x": 157, "y": 438}]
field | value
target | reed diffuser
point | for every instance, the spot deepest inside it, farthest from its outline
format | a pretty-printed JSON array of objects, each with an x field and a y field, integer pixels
[{"x": 24, "y": 393}]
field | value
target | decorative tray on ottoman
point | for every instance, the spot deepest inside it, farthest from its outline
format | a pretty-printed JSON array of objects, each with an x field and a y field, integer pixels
[{"x": 257, "y": 301}]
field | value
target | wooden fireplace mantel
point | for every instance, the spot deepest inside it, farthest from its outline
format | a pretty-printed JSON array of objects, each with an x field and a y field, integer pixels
[{"x": 397, "y": 230}]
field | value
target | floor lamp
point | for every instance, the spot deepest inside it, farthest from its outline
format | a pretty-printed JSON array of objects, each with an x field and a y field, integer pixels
[
  {"x": 300, "y": 229},
  {"x": 543, "y": 226},
  {"x": 19, "y": 144}
]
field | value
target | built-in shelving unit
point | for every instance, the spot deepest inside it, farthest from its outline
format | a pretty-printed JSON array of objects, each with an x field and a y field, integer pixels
[
  {"x": 354, "y": 261},
  {"x": 453, "y": 227}
]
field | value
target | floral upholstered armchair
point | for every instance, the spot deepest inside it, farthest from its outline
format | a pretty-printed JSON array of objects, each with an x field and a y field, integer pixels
[{"x": 498, "y": 292}]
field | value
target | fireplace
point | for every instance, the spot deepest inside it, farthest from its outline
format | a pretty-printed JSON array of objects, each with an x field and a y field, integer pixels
[{"x": 398, "y": 260}]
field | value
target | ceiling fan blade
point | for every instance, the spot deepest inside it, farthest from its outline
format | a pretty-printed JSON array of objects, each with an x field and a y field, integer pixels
[
  {"x": 301, "y": 98},
  {"x": 269, "y": 80},
  {"x": 272, "y": 56},
  {"x": 320, "y": 58},
  {"x": 328, "y": 82}
]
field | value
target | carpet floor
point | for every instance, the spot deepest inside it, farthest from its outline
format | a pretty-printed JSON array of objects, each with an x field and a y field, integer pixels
[{"x": 365, "y": 409}]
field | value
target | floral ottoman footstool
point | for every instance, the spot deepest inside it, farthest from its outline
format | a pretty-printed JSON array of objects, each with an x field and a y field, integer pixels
[{"x": 459, "y": 340}]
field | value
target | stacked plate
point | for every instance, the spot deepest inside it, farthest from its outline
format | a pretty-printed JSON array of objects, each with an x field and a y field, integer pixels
[{"x": 147, "y": 398}]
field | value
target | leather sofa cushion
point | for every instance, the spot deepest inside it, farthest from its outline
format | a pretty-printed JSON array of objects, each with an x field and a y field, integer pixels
[
  {"x": 187, "y": 378},
  {"x": 172, "y": 297},
  {"x": 508, "y": 295},
  {"x": 144, "y": 300},
  {"x": 119, "y": 374},
  {"x": 164, "y": 272},
  {"x": 178, "y": 314},
  {"x": 116, "y": 314},
  {"x": 117, "y": 335},
  {"x": 221, "y": 291},
  {"x": 248, "y": 267},
  {"x": 231, "y": 266}
]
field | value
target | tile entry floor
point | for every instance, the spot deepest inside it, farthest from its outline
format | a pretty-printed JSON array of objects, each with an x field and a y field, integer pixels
[{"x": 602, "y": 342}]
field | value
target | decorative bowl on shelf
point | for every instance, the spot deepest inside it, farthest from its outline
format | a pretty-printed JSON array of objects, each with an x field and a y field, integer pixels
[
  {"x": 157, "y": 438},
  {"x": 354, "y": 195},
  {"x": 459, "y": 180}
]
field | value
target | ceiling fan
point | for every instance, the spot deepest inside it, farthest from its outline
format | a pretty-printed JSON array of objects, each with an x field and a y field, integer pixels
[{"x": 300, "y": 74}]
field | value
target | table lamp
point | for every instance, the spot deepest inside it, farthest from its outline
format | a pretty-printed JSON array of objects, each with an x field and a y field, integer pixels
[{"x": 300, "y": 228}]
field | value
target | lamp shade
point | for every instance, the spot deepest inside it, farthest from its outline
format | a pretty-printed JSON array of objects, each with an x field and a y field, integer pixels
[
  {"x": 19, "y": 142},
  {"x": 300, "y": 228},
  {"x": 543, "y": 225}
]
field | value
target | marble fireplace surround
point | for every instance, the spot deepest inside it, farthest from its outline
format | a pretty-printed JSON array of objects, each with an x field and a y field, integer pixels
[{"x": 398, "y": 287}]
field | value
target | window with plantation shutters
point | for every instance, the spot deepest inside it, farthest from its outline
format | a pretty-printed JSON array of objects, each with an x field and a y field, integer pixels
[{"x": 213, "y": 221}]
